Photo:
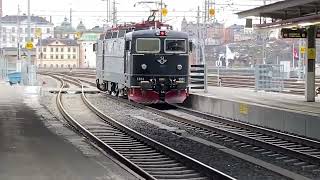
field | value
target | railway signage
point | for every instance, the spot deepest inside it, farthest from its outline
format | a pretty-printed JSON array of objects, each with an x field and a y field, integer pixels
[
  {"x": 294, "y": 33},
  {"x": 29, "y": 45},
  {"x": 164, "y": 12},
  {"x": 302, "y": 49},
  {"x": 38, "y": 32},
  {"x": 212, "y": 12},
  {"x": 297, "y": 33}
]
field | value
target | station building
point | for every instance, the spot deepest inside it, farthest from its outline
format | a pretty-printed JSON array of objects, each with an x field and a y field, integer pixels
[{"x": 58, "y": 53}]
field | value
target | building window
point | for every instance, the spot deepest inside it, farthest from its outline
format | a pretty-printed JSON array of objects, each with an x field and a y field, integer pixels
[
  {"x": 13, "y": 39},
  {"x": 69, "y": 49},
  {"x": 61, "y": 49},
  {"x": 39, "y": 57},
  {"x": 4, "y": 38},
  {"x": 51, "y": 49},
  {"x": 13, "y": 29},
  {"x": 68, "y": 65},
  {"x": 62, "y": 65},
  {"x": 57, "y": 57},
  {"x": 74, "y": 56},
  {"x": 44, "y": 49},
  {"x": 69, "y": 57},
  {"x": 26, "y": 30},
  {"x": 57, "y": 49},
  {"x": 74, "y": 49},
  {"x": 21, "y": 39},
  {"x": 20, "y": 30},
  {"x": 61, "y": 56},
  {"x": 32, "y": 39},
  {"x": 85, "y": 57},
  {"x": 85, "y": 50},
  {"x": 51, "y": 56},
  {"x": 48, "y": 30},
  {"x": 4, "y": 29},
  {"x": 57, "y": 65},
  {"x": 44, "y": 56}
]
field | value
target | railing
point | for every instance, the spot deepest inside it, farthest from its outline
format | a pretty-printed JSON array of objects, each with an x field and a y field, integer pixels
[{"x": 198, "y": 77}]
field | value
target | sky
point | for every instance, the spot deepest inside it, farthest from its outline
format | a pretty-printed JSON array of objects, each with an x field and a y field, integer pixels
[{"x": 93, "y": 12}]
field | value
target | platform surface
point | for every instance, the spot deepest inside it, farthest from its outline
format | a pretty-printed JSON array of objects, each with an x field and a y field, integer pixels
[
  {"x": 30, "y": 151},
  {"x": 280, "y": 101}
]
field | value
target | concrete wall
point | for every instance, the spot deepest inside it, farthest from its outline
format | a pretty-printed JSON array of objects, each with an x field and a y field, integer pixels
[{"x": 279, "y": 119}]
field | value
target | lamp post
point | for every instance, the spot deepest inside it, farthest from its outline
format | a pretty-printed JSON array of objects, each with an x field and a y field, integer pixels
[{"x": 108, "y": 10}]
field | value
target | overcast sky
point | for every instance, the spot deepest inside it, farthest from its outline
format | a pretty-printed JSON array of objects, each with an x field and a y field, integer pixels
[{"x": 93, "y": 12}]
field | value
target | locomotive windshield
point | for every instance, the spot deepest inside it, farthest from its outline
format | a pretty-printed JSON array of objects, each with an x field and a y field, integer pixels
[
  {"x": 148, "y": 45},
  {"x": 175, "y": 45}
]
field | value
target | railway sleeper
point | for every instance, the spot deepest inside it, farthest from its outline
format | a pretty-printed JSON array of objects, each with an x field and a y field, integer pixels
[
  {"x": 184, "y": 176},
  {"x": 164, "y": 165},
  {"x": 180, "y": 168},
  {"x": 141, "y": 156},
  {"x": 110, "y": 135},
  {"x": 124, "y": 138},
  {"x": 137, "y": 151},
  {"x": 122, "y": 141},
  {"x": 128, "y": 146},
  {"x": 198, "y": 178},
  {"x": 152, "y": 160},
  {"x": 173, "y": 172},
  {"x": 105, "y": 131}
]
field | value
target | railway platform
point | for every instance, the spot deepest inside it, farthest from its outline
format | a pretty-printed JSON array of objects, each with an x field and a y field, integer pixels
[
  {"x": 284, "y": 112},
  {"x": 32, "y": 150}
]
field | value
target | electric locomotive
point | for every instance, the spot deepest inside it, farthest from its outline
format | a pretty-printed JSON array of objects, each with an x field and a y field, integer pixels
[{"x": 147, "y": 64}]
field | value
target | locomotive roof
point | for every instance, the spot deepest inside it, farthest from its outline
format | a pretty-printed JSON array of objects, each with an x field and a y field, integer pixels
[{"x": 152, "y": 33}]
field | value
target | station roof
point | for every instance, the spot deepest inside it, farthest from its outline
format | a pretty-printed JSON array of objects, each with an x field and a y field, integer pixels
[{"x": 284, "y": 10}]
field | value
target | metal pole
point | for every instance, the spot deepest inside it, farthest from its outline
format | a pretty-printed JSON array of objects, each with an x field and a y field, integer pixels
[
  {"x": 1, "y": 38},
  {"x": 198, "y": 37},
  {"x": 28, "y": 74},
  {"x": 310, "y": 68},
  {"x": 161, "y": 10},
  {"x": 114, "y": 13},
  {"x": 293, "y": 54},
  {"x": 18, "y": 65},
  {"x": 299, "y": 61}
]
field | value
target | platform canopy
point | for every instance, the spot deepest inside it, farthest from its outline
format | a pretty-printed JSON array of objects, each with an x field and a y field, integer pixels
[{"x": 286, "y": 12}]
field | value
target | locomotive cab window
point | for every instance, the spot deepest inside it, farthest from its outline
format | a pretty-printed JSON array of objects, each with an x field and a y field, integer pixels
[
  {"x": 148, "y": 45},
  {"x": 175, "y": 46}
]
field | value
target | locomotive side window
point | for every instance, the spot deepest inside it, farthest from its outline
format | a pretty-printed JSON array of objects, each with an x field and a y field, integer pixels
[
  {"x": 121, "y": 33},
  {"x": 175, "y": 46},
  {"x": 148, "y": 45},
  {"x": 128, "y": 45},
  {"x": 115, "y": 34},
  {"x": 108, "y": 35}
]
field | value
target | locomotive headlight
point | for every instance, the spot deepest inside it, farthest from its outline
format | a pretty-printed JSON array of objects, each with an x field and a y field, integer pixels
[
  {"x": 144, "y": 66},
  {"x": 179, "y": 67}
]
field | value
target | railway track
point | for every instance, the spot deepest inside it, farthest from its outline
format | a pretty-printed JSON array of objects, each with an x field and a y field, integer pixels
[
  {"x": 146, "y": 157},
  {"x": 301, "y": 153}
]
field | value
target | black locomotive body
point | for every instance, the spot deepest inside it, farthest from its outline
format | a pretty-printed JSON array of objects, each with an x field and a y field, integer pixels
[{"x": 149, "y": 66}]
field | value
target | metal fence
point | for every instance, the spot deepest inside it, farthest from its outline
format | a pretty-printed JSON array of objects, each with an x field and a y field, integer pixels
[
  {"x": 198, "y": 77},
  {"x": 3, "y": 67},
  {"x": 269, "y": 77}
]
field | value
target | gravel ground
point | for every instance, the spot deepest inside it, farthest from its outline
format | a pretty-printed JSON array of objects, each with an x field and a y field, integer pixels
[{"x": 133, "y": 117}]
